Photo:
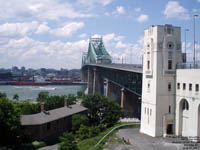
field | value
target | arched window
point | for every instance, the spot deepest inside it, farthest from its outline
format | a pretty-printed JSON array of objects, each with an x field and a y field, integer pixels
[{"x": 185, "y": 105}]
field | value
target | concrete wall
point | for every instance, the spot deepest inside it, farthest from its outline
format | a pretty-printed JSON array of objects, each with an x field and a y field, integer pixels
[{"x": 187, "y": 120}]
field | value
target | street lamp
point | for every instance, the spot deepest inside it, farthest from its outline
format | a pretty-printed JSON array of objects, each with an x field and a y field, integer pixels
[{"x": 194, "y": 16}]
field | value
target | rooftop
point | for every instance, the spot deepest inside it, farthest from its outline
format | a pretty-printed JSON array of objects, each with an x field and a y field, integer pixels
[{"x": 48, "y": 116}]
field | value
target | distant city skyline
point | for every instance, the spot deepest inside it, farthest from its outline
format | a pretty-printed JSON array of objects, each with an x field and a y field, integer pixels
[{"x": 54, "y": 33}]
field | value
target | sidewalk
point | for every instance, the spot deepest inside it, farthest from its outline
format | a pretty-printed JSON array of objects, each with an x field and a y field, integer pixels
[{"x": 144, "y": 142}]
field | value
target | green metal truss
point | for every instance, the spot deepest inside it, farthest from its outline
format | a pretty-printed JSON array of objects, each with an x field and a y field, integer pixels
[{"x": 97, "y": 53}]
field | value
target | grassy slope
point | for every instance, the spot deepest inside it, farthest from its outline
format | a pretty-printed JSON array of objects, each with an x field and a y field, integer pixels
[{"x": 88, "y": 144}]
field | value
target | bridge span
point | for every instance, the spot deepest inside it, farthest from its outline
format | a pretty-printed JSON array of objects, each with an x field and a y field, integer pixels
[{"x": 123, "y": 81}]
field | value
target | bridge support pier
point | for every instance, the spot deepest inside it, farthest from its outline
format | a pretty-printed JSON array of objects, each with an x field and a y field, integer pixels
[
  {"x": 90, "y": 80},
  {"x": 98, "y": 83},
  {"x": 122, "y": 97},
  {"x": 113, "y": 91},
  {"x": 84, "y": 75},
  {"x": 131, "y": 104}
]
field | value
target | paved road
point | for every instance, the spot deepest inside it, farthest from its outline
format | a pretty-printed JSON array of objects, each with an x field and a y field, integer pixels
[{"x": 144, "y": 142}]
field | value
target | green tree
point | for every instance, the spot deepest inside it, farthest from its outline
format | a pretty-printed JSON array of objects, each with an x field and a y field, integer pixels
[
  {"x": 42, "y": 96},
  {"x": 68, "y": 142},
  {"x": 71, "y": 99},
  {"x": 9, "y": 122},
  {"x": 16, "y": 97},
  {"x": 78, "y": 120},
  {"x": 102, "y": 109},
  {"x": 83, "y": 132},
  {"x": 3, "y": 95},
  {"x": 80, "y": 94}
]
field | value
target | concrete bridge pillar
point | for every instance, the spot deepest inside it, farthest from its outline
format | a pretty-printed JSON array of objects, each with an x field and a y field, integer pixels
[
  {"x": 98, "y": 83},
  {"x": 90, "y": 80},
  {"x": 122, "y": 97},
  {"x": 113, "y": 91},
  {"x": 84, "y": 75}
]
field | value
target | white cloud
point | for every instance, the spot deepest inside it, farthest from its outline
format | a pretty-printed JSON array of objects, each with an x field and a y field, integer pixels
[
  {"x": 43, "y": 28},
  {"x": 120, "y": 10},
  {"x": 41, "y": 9},
  {"x": 84, "y": 35},
  {"x": 174, "y": 10},
  {"x": 138, "y": 9},
  {"x": 143, "y": 18},
  {"x": 112, "y": 37},
  {"x": 68, "y": 29},
  {"x": 36, "y": 54},
  {"x": 93, "y": 2},
  {"x": 18, "y": 29}
]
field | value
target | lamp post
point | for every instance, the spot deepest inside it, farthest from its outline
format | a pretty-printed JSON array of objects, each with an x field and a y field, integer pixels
[{"x": 194, "y": 16}]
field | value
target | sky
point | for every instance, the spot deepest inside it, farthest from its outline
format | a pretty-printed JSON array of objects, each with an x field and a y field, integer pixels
[{"x": 55, "y": 33}]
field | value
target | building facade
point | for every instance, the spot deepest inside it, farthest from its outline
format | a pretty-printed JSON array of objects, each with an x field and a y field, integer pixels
[
  {"x": 170, "y": 90},
  {"x": 162, "y": 51},
  {"x": 48, "y": 125},
  {"x": 188, "y": 102}
]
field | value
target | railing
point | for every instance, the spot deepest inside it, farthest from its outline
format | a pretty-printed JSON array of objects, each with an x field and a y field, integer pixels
[
  {"x": 188, "y": 66},
  {"x": 117, "y": 127}
]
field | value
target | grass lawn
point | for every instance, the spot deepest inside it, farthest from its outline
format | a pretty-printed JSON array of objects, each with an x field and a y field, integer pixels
[{"x": 88, "y": 144}]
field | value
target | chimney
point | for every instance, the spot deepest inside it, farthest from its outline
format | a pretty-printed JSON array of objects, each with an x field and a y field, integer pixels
[
  {"x": 65, "y": 103},
  {"x": 42, "y": 107}
]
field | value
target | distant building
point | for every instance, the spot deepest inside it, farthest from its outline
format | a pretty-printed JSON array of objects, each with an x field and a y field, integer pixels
[{"x": 48, "y": 125}]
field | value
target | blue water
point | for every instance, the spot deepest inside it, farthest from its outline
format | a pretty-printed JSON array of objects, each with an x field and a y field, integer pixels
[{"x": 31, "y": 92}]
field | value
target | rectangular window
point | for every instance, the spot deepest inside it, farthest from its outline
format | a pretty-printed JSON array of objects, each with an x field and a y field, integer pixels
[
  {"x": 145, "y": 110},
  {"x": 169, "y": 109},
  {"x": 169, "y": 64},
  {"x": 178, "y": 85},
  {"x": 184, "y": 86},
  {"x": 169, "y": 87},
  {"x": 190, "y": 87},
  {"x": 150, "y": 112},
  {"x": 148, "y": 85},
  {"x": 197, "y": 87},
  {"x": 148, "y": 64}
]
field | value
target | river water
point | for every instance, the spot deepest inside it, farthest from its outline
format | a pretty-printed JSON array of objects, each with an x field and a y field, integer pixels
[{"x": 31, "y": 92}]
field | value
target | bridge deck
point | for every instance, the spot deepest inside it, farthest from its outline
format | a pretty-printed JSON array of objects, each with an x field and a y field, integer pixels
[{"x": 124, "y": 67}]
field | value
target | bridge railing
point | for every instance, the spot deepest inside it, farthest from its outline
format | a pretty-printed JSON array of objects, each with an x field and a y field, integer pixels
[{"x": 188, "y": 66}]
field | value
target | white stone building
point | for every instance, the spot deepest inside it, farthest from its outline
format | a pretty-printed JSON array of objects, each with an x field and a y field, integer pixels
[{"x": 166, "y": 107}]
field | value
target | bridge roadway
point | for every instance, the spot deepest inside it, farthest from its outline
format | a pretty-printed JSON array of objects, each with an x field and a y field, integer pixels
[{"x": 123, "y": 67}]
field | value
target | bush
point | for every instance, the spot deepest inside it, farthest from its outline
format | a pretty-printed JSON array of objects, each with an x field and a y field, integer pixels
[
  {"x": 78, "y": 120},
  {"x": 42, "y": 96},
  {"x": 38, "y": 144},
  {"x": 94, "y": 131},
  {"x": 83, "y": 132},
  {"x": 68, "y": 142}
]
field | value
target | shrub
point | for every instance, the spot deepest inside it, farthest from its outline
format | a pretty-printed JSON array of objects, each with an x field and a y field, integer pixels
[
  {"x": 83, "y": 132},
  {"x": 68, "y": 142},
  {"x": 78, "y": 120}
]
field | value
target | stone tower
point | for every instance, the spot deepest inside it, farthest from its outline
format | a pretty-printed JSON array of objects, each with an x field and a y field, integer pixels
[{"x": 162, "y": 51}]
